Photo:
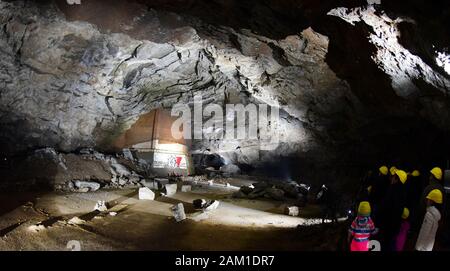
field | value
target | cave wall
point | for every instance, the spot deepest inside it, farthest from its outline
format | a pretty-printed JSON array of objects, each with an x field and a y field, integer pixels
[{"x": 351, "y": 89}]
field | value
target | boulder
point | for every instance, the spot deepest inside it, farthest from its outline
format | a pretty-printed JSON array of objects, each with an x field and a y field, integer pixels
[
  {"x": 292, "y": 210},
  {"x": 122, "y": 181},
  {"x": 128, "y": 154},
  {"x": 134, "y": 178},
  {"x": 304, "y": 188},
  {"x": 290, "y": 190},
  {"x": 260, "y": 185},
  {"x": 239, "y": 195},
  {"x": 274, "y": 193},
  {"x": 256, "y": 193},
  {"x": 76, "y": 221},
  {"x": 146, "y": 194},
  {"x": 246, "y": 189},
  {"x": 213, "y": 160},
  {"x": 86, "y": 186},
  {"x": 100, "y": 206},
  {"x": 118, "y": 168},
  {"x": 212, "y": 205},
  {"x": 171, "y": 189},
  {"x": 178, "y": 212},
  {"x": 186, "y": 188}
]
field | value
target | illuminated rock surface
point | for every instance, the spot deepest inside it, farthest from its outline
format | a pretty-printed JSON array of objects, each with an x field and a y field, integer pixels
[{"x": 339, "y": 74}]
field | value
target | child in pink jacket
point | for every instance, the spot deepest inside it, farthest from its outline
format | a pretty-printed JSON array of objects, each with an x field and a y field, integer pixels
[
  {"x": 402, "y": 235},
  {"x": 361, "y": 229}
]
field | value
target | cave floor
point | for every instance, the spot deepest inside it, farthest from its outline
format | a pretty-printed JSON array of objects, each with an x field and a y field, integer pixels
[{"x": 39, "y": 221}]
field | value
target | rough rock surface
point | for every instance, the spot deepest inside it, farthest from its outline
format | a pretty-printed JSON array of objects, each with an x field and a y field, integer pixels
[
  {"x": 70, "y": 80},
  {"x": 85, "y": 171},
  {"x": 146, "y": 194},
  {"x": 69, "y": 85},
  {"x": 404, "y": 67}
]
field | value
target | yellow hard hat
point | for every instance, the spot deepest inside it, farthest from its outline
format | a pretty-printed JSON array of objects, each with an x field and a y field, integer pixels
[
  {"x": 405, "y": 213},
  {"x": 369, "y": 189},
  {"x": 435, "y": 195},
  {"x": 437, "y": 173},
  {"x": 401, "y": 175},
  {"x": 392, "y": 170},
  {"x": 364, "y": 208},
  {"x": 384, "y": 170},
  {"x": 415, "y": 173}
]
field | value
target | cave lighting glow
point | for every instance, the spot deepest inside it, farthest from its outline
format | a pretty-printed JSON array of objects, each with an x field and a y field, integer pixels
[{"x": 443, "y": 60}]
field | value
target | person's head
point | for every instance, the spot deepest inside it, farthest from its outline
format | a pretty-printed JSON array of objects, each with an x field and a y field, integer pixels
[
  {"x": 415, "y": 173},
  {"x": 383, "y": 171},
  {"x": 436, "y": 174},
  {"x": 435, "y": 197},
  {"x": 364, "y": 208},
  {"x": 392, "y": 174},
  {"x": 405, "y": 214},
  {"x": 400, "y": 176}
]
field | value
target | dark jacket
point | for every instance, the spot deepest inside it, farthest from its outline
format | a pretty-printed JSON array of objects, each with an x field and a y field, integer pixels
[
  {"x": 378, "y": 193},
  {"x": 379, "y": 188},
  {"x": 392, "y": 209},
  {"x": 414, "y": 189}
]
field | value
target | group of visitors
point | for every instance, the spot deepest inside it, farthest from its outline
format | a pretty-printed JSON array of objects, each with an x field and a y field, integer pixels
[{"x": 396, "y": 206}]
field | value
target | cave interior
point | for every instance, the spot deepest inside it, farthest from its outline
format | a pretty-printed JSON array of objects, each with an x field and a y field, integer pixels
[{"x": 87, "y": 89}]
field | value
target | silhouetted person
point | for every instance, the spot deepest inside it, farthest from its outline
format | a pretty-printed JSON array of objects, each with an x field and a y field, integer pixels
[
  {"x": 414, "y": 189},
  {"x": 378, "y": 190},
  {"x": 392, "y": 210},
  {"x": 328, "y": 201},
  {"x": 363, "y": 191}
]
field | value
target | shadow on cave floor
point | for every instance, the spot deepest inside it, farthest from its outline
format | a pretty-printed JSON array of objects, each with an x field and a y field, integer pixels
[
  {"x": 9, "y": 202},
  {"x": 24, "y": 177},
  {"x": 190, "y": 235}
]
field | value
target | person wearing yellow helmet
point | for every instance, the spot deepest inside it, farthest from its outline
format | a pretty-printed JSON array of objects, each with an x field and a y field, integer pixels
[
  {"x": 402, "y": 235},
  {"x": 435, "y": 182},
  {"x": 361, "y": 228},
  {"x": 402, "y": 176},
  {"x": 436, "y": 173},
  {"x": 383, "y": 170},
  {"x": 378, "y": 190},
  {"x": 391, "y": 210},
  {"x": 427, "y": 235},
  {"x": 415, "y": 173},
  {"x": 392, "y": 170},
  {"x": 414, "y": 188}
]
